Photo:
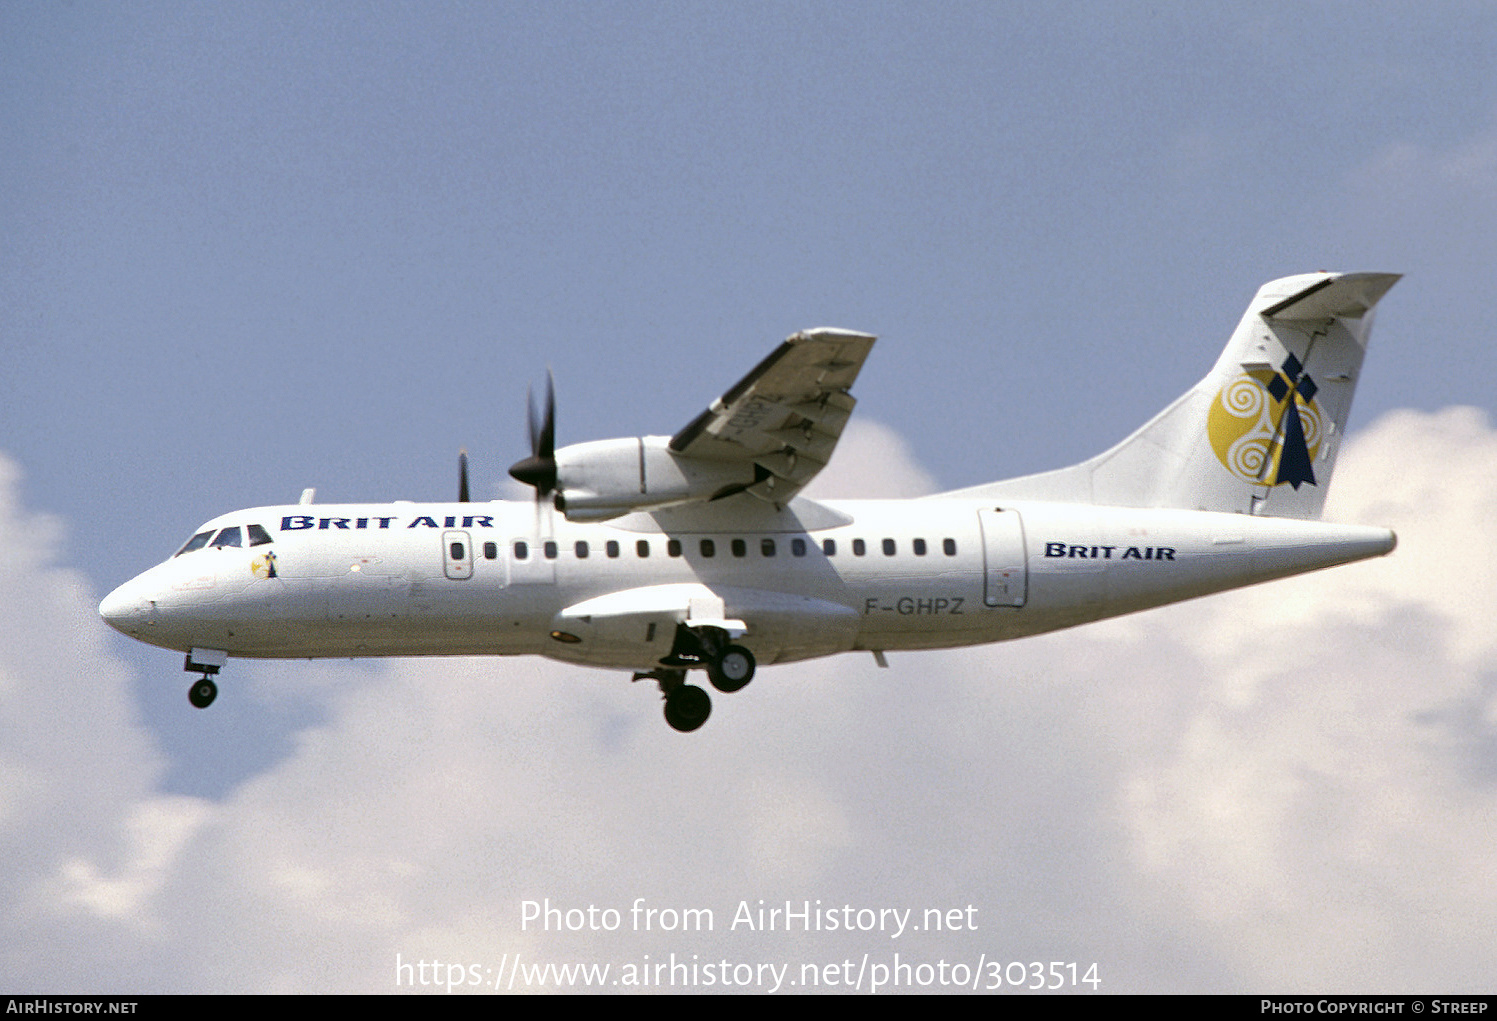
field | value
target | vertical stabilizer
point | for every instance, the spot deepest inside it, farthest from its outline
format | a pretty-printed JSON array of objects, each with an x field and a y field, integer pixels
[{"x": 1258, "y": 435}]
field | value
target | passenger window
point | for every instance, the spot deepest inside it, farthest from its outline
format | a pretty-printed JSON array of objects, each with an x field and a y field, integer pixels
[
  {"x": 491, "y": 551},
  {"x": 581, "y": 550},
  {"x": 948, "y": 546},
  {"x": 522, "y": 550},
  {"x": 859, "y": 547},
  {"x": 613, "y": 548},
  {"x": 829, "y": 547},
  {"x": 709, "y": 548},
  {"x": 550, "y": 548},
  {"x": 257, "y": 535},
  {"x": 740, "y": 548},
  {"x": 889, "y": 547},
  {"x": 196, "y": 542},
  {"x": 230, "y": 537},
  {"x": 642, "y": 547},
  {"x": 798, "y": 547},
  {"x": 673, "y": 547},
  {"x": 766, "y": 547},
  {"x": 457, "y": 550},
  {"x": 919, "y": 545}
]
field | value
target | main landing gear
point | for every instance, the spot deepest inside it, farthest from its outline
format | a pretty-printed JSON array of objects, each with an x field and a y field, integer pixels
[
  {"x": 729, "y": 667},
  {"x": 208, "y": 661}
]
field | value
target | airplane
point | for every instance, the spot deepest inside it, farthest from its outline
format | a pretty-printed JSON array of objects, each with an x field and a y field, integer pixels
[{"x": 668, "y": 554}]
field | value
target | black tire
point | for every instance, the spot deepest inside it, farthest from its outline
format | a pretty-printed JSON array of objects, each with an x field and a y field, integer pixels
[
  {"x": 687, "y": 708},
  {"x": 202, "y": 693},
  {"x": 732, "y": 670}
]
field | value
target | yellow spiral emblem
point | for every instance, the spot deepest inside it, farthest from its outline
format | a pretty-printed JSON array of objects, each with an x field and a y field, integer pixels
[
  {"x": 1246, "y": 428},
  {"x": 263, "y": 566}
]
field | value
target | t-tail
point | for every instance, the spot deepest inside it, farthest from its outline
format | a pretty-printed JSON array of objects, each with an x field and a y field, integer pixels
[{"x": 1258, "y": 435}]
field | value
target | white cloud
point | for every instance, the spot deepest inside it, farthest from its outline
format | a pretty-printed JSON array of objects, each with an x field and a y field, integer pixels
[
  {"x": 872, "y": 462},
  {"x": 1321, "y": 812},
  {"x": 88, "y": 840},
  {"x": 1283, "y": 788}
]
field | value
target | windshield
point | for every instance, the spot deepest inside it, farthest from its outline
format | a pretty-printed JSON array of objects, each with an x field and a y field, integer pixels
[
  {"x": 233, "y": 536},
  {"x": 196, "y": 542}
]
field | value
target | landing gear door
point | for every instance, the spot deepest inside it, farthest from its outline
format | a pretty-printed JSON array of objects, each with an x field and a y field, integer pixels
[
  {"x": 1005, "y": 569},
  {"x": 457, "y": 555}
]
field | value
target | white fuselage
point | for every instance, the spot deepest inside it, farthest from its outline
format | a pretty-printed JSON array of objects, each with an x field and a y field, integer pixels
[{"x": 506, "y": 578}]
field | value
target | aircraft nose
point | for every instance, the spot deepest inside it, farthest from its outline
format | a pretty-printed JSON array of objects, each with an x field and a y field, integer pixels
[{"x": 125, "y": 608}]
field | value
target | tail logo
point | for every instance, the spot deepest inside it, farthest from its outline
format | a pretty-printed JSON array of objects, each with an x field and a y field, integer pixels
[{"x": 1266, "y": 427}]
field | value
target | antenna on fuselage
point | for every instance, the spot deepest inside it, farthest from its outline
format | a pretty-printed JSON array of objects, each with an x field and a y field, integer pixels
[{"x": 308, "y": 495}]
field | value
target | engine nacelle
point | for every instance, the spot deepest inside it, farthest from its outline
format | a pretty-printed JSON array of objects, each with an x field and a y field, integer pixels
[{"x": 606, "y": 478}]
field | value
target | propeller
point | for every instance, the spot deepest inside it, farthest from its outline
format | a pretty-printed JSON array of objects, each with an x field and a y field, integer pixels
[
  {"x": 462, "y": 476},
  {"x": 539, "y": 469}
]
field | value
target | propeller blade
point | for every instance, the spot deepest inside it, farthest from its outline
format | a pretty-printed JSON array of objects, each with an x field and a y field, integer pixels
[
  {"x": 539, "y": 469},
  {"x": 462, "y": 476},
  {"x": 548, "y": 427}
]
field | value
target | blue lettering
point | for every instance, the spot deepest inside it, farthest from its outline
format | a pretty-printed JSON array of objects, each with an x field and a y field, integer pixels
[
  {"x": 424, "y": 520},
  {"x": 292, "y": 522}
]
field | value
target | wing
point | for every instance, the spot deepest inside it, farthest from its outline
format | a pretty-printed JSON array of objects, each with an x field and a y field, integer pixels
[{"x": 785, "y": 416}]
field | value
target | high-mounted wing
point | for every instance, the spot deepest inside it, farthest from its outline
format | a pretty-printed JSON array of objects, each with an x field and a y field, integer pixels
[{"x": 784, "y": 417}]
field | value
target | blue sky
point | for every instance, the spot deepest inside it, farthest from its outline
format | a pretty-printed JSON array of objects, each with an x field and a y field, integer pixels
[{"x": 251, "y": 248}]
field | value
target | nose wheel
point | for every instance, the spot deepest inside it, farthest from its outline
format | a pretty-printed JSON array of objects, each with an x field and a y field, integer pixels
[{"x": 202, "y": 693}]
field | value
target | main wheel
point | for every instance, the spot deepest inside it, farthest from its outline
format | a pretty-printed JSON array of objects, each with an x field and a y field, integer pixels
[
  {"x": 732, "y": 670},
  {"x": 202, "y": 693},
  {"x": 687, "y": 708}
]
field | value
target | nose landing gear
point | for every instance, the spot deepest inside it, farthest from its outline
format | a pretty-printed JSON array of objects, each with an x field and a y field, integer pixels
[{"x": 206, "y": 662}]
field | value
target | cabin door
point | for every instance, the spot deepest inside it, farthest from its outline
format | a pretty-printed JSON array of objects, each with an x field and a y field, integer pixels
[{"x": 1005, "y": 569}]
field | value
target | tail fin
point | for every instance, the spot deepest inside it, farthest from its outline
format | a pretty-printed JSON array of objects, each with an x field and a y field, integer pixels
[{"x": 1258, "y": 435}]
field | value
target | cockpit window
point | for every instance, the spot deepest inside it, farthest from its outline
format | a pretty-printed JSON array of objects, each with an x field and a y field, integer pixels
[
  {"x": 196, "y": 542},
  {"x": 259, "y": 536},
  {"x": 228, "y": 537}
]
